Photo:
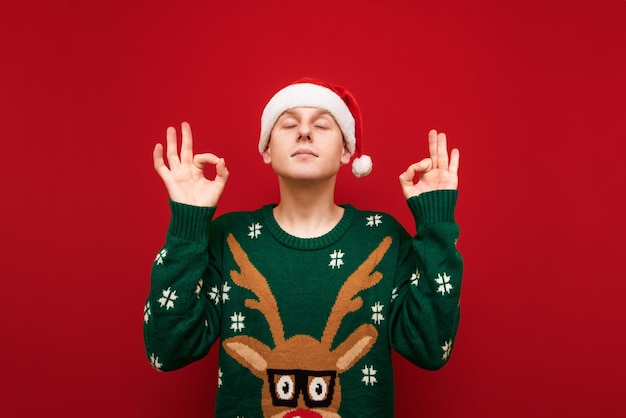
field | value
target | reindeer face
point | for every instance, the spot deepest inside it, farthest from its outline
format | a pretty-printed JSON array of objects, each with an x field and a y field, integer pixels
[{"x": 301, "y": 374}]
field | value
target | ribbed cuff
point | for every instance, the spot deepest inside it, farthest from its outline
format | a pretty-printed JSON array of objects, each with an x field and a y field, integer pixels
[
  {"x": 190, "y": 223},
  {"x": 433, "y": 207}
]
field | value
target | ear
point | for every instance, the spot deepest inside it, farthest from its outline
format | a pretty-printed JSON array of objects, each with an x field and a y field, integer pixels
[
  {"x": 249, "y": 352},
  {"x": 355, "y": 346},
  {"x": 267, "y": 158},
  {"x": 345, "y": 156}
]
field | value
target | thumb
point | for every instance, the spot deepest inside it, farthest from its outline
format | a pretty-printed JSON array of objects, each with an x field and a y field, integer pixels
[{"x": 221, "y": 172}]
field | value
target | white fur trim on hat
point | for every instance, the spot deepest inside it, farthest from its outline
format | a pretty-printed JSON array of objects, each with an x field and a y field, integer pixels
[{"x": 307, "y": 95}]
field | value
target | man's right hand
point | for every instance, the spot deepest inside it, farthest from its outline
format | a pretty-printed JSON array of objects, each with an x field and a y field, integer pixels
[{"x": 184, "y": 178}]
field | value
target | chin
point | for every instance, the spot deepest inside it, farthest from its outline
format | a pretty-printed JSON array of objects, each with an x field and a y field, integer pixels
[{"x": 306, "y": 174}]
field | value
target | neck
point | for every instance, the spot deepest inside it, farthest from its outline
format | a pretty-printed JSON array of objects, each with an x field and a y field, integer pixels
[{"x": 307, "y": 210}]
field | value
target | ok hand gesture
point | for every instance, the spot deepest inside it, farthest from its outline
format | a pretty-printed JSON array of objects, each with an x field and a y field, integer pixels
[
  {"x": 184, "y": 178},
  {"x": 435, "y": 173}
]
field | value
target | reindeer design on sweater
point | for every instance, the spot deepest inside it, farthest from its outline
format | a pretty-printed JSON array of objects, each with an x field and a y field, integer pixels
[{"x": 301, "y": 374}]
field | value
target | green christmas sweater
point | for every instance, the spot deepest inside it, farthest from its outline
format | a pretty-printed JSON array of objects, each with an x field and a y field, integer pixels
[{"x": 306, "y": 326}]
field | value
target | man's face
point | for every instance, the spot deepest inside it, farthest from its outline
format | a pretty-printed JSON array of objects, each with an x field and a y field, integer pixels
[{"x": 307, "y": 144}]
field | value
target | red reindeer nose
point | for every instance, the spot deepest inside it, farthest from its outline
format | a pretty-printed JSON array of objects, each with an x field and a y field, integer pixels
[{"x": 303, "y": 413}]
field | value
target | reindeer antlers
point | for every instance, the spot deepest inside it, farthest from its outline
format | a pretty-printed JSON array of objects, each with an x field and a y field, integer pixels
[
  {"x": 363, "y": 278},
  {"x": 251, "y": 279}
]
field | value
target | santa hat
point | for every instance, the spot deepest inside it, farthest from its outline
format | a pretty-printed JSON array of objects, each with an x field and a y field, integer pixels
[{"x": 312, "y": 92}]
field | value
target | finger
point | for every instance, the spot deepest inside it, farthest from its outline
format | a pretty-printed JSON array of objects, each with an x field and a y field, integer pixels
[
  {"x": 157, "y": 158},
  {"x": 419, "y": 167},
  {"x": 186, "y": 147},
  {"x": 455, "y": 158},
  {"x": 200, "y": 160},
  {"x": 423, "y": 166},
  {"x": 221, "y": 172},
  {"x": 432, "y": 146},
  {"x": 407, "y": 176},
  {"x": 172, "y": 146},
  {"x": 442, "y": 151}
]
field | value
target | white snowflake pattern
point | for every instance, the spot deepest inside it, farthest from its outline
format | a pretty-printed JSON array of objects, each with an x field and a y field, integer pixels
[
  {"x": 336, "y": 259},
  {"x": 168, "y": 298},
  {"x": 154, "y": 360},
  {"x": 214, "y": 294},
  {"x": 161, "y": 256},
  {"x": 199, "y": 288},
  {"x": 377, "y": 315},
  {"x": 146, "y": 312},
  {"x": 374, "y": 220},
  {"x": 444, "y": 283},
  {"x": 415, "y": 277},
  {"x": 225, "y": 289},
  {"x": 394, "y": 293},
  {"x": 369, "y": 375},
  {"x": 447, "y": 349},
  {"x": 255, "y": 230},
  {"x": 237, "y": 322},
  {"x": 219, "y": 377}
]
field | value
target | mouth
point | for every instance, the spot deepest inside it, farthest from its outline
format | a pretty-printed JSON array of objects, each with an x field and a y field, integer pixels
[{"x": 304, "y": 152}]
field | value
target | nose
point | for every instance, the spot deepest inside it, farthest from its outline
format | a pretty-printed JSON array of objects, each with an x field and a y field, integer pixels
[
  {"x": 304, "y": 132},
  {"x": 303, "y": 413}
]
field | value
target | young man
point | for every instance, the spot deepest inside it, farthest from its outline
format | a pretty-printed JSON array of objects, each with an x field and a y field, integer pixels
[{"x": 307, "y": 297}]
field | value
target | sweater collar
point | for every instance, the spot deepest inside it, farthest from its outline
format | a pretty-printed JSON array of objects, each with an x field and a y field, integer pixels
[{"x": 297, "y": 243}]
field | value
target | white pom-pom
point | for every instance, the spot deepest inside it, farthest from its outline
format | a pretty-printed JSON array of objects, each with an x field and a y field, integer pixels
[{"x": 362, "y": 166}]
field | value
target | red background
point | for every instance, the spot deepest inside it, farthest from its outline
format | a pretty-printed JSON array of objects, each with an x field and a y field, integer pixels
[{"x": 532, "y": 92}]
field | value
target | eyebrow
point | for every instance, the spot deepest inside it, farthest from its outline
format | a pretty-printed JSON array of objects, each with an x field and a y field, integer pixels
[{"x": 318, "y": 112}]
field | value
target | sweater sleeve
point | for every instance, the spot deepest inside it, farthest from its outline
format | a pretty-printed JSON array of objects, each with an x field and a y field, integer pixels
[
  {"x": 180, "y": 321},
  {"x": 425, "y": 313}
]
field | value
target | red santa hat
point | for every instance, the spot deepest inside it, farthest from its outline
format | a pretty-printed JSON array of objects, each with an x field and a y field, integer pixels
[{"x": 313, "y": 92}]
